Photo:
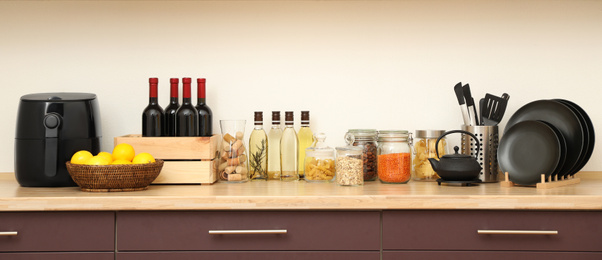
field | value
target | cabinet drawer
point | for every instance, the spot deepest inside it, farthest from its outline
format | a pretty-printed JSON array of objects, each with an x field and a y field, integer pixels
[
  {"x": 57, "y": 231},
  {"x": 261, "y": 255},
  {"x": 458, "y": 230},
  {"x": 489, "y": 255},
  {"x": 58, "y": 256},
  {"x": 304, "y": 230}
]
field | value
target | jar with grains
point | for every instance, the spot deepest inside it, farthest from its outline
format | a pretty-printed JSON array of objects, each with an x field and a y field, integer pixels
[
  {"x": 319, "y": 161},
  {"x": 424, "y": 148},
  {"x": 365, "y": 138},
  {"x": 349, "y": 166},
  {"x": 394, "y": 158}
]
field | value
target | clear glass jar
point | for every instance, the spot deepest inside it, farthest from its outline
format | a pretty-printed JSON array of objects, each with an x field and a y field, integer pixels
[
  {"x": 319, "y": 161},
  {"x": 394, "y": 156},
  {"x": 424, "y": 148},
  {"x": 233, "y": 166},
  {"x": 365, "y": 138},
  {"x": 349, "y": 166}
]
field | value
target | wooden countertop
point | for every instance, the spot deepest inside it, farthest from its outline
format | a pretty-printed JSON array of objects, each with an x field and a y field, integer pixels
[{"x": 275, "y": 195}]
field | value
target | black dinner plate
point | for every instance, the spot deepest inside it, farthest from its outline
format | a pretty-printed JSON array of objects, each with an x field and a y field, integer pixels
[
  {"x": 589, "y": 137},
  {"x": 527, "y": 150},
  {"x": 564, "y": 119}
]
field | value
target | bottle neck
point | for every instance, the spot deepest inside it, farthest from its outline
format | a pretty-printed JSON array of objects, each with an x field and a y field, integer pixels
[
  {"x": 289, "y": 124},
  {"x": 186, "y": 94},
  {"x": 201, "y": 95},
  {"x": 258, "y": 126},
  {"x": 173, "y": 97},
  {"x": 153, "y": 93}
]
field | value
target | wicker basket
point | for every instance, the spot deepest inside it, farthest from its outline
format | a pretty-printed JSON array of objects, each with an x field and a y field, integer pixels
[{"x": 121, "y": 177}]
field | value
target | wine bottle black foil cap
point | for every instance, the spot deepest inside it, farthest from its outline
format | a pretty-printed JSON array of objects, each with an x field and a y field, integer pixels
[
  {"x": 289, "y": 118},
  {"x": 258, "y": 118}
]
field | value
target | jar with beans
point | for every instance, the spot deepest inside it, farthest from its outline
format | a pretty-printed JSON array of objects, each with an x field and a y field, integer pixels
[
  {"x": 366, "y": 139},
  {"x": 394, "y": 157}
]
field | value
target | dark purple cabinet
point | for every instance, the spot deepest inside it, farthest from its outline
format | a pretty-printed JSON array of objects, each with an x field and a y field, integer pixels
[
  {"x": 490, "y": 255},
  {"x": 286, "y": 230},
  {"x": 459, "y": 230},
  {"x": 288, "y": 255},
  {"x": 57, "y": 231},
  {"x": 59, "y": 256}
]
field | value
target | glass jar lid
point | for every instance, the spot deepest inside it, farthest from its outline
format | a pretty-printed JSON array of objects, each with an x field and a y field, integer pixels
[
  {"x": 429, "y": 133},
  {"x": 350, "y": 150},
  {"x": 320, "y": 150},
  {"x": 393, "y": 135},
  {"x": 360, "y": 135}
]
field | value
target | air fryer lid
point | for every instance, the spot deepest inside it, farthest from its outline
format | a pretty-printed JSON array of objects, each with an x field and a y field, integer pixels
[
  {"x": 58, "y": 97},
  {"x": 76, "y": 115}
]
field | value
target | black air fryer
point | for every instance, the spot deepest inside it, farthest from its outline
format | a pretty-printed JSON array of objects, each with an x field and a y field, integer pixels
[{"x": 51, "y": 127}]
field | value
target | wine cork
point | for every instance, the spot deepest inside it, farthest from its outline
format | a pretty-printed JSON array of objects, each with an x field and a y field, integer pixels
[
  {"x": 230, "y": 169},
  {"x": 241, "y": 170},
  {"x": 233, "y": 162},
  {"x": 237, "y": 145},
  {"x": 239, "y": 135},
  {"x": 234, "y": 177},
  {"x": 229, "y": 138}
]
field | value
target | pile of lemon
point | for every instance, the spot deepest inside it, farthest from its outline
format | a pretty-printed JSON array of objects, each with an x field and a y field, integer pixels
[{"x": 122, "y": 154}]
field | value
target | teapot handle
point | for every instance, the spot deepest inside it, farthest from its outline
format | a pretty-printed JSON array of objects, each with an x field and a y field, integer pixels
[{"x": 458, "y": 131}]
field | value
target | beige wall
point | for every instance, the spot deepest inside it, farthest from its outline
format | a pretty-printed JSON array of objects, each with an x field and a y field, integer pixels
[{"x": 354, "y": 64}]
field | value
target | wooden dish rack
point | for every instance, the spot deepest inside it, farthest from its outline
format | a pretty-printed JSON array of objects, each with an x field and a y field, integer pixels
[{"x": 544, "y": 183}]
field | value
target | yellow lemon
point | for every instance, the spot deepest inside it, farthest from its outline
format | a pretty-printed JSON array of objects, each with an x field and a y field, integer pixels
[
  {"x": 121, "y": 161},
  {"x": 123, "y": 151},
  {"x": 143, "y": 158},
  {"x": 81, "y": 157},
  {"x": 107, "y": 156},
  {"x": 97, "y": 160}
]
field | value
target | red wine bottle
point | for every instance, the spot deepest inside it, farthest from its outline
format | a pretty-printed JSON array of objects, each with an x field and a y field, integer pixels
[
  {"x": 205, "y": 115},
  {"x": 153, "y": 115},
  {"x": 172, "y": 108},
  {"x": 187, "y": 118}
]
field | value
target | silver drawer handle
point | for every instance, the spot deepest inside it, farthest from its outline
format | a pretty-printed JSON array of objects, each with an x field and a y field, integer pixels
[
  {"x": 517, "y": 232},
  {"x": 9, "y": 233},
  {"x": 247, "y": 232}
]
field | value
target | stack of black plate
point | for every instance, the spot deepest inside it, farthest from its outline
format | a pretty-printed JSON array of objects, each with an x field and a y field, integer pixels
[{"x": 551, "y": 137}]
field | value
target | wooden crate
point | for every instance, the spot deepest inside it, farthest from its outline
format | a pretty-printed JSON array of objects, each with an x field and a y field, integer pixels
[{"x": 188, "y": 160}]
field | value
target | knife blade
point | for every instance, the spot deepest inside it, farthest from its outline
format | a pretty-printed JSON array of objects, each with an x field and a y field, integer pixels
[{"x": 460, "y": 95}]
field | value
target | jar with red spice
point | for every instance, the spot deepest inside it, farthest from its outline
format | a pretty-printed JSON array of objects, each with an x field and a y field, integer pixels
[
  {"x": 365, "y": 138},
  {"x": 394, "y": 157}
]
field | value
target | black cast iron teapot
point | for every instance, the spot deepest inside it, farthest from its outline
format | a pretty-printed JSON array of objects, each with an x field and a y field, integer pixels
[{"x": 457, "y": 167}]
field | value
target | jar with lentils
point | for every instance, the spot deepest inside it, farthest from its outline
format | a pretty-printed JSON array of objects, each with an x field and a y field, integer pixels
[
  {"x": 394, "y": 156},
  {"x": 366, "y": 139}
]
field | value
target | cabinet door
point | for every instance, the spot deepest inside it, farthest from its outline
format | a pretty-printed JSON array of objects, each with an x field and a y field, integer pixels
[
  {"x": 459, "y": 230},
  {"x": 289, "y": 255},
  {"x": 489, "y": 255},
  {"x": 58, "y": 256},
  {"x": 57, "y": 231},
  {"x": 303, "y": 230}
]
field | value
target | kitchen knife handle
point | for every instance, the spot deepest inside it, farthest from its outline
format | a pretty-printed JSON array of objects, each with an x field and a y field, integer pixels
[
  {"x": 517, "y": 232},
  {"x": 248, "y": 232},
  {"x": 8, "y": 233}
]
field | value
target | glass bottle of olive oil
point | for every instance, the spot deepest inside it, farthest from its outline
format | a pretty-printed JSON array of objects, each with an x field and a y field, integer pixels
[
  {"x": 274, "y": 137},
  {"x": 289, "y": 150},
  {"x": 258, "y": 150},
  {"x": 306, "y": 139}
]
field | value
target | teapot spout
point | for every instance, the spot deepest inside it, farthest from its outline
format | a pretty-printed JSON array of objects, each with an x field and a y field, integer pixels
[{"x": 434, "y": 163}]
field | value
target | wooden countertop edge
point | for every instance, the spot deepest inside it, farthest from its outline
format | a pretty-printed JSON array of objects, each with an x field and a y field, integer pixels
[{"x": 360, "y": 203}]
